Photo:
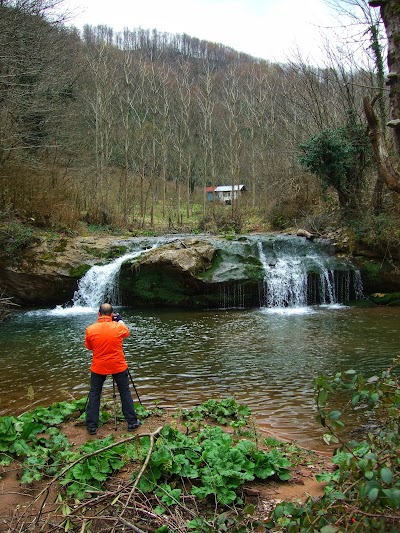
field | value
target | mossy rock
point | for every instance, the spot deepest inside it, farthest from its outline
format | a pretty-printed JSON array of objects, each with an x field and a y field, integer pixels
[
  {"x": 372, "y": 269},
  {"x": 152, "y": 286},
  {"x": 61, "y": 246},
  {"x": 229, "y": 265},
  {"x": 390, "y": 299},
  {"x": 361, "y": 303},
  {"x": 79, "y": 271},
  {"x": 115, "y": 251}
]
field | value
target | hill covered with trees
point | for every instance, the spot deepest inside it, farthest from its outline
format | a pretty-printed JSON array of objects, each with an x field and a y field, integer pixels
[{"x": 126, "y": 129}]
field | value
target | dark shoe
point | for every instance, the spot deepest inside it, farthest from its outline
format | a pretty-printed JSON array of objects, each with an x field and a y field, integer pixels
[
  {"x": 135, "y": 425},
  {"x": 92, "y": 431}
]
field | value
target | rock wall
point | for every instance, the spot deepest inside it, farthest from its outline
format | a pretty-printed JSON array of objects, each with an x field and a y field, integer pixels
[{"x": 188, "y": 272}]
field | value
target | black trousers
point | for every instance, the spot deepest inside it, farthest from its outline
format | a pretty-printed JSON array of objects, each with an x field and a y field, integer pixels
[{"x": 96, "y": 386}]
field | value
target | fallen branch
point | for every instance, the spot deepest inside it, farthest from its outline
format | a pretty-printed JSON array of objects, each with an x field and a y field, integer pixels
[
  {"x": 144, "y": 466},
  {"x": 46, "y": 490}
]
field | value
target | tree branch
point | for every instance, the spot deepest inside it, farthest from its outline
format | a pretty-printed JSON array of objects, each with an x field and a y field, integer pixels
[{"x": 389, "y": 175}]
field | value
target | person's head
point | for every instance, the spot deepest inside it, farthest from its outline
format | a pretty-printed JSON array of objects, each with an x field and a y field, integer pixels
[{"x": 106, "y": 309}]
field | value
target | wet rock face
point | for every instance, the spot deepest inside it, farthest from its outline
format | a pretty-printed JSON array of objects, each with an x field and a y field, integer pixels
[
  {"x": 188, "y": 272},
  {"x": 47, "y": 272},
  {"x": 200, "y": 272},
  {"x": 34, "y": 290},
  {"x": 192, "y": 256},
  {"x": 191, "y": 273}
]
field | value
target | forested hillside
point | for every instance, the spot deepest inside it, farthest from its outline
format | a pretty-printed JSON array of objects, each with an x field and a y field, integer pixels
[{"x": 127, "y": 129}]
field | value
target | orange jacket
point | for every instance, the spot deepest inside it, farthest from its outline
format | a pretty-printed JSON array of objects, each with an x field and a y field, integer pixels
[{"x": 104, "y": 338}]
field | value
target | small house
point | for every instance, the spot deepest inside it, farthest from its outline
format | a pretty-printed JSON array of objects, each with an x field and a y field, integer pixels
[
  {"x": 225, "y": 193},
  {"x": 210, "y": 193}
]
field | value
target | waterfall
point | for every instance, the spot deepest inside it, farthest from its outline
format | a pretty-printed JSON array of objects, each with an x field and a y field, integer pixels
[
  {"x": 298, "y": 273},
  {"x": 100, "y": 283}
]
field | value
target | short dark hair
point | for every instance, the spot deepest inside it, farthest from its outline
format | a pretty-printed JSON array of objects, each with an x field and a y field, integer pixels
[{"x": 106, "y": 309}]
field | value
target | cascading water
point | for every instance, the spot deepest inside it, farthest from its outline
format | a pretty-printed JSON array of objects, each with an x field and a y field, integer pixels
[
  {"x": 298, "y": 273},
  {"x": 100, "y": 283}
]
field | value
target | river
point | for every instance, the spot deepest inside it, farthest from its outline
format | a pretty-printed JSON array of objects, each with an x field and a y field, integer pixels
[{"x": 266, "y": 358}]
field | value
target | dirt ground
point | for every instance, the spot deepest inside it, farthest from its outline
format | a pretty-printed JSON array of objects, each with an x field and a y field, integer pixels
[{"x": 18, "y": 503}]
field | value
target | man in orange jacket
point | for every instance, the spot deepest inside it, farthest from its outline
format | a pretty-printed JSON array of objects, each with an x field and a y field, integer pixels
[{"x": 105, "y": 338}]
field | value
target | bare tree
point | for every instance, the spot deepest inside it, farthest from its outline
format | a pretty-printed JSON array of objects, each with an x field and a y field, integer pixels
[
  {"x": 183, "y": 134},
  {"x": 100, "y": 97},
  {"x": 233, "y": 102},
  {"x": 206, "y": 101}
]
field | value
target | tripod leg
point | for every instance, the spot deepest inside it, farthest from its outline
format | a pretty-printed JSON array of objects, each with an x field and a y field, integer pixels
[
  {"x": 115, "y": 406},
  {"x": 133, "y": 385},
  {"x": 84, "y": 407}
]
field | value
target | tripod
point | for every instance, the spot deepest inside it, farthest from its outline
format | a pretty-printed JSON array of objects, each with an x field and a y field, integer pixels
[
  {"x": 115, "y": 398},
  {"x": 133, "y": 385}
]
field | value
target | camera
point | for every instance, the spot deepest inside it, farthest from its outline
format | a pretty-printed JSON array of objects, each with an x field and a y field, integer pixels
[{"x": 116, "y": 317}]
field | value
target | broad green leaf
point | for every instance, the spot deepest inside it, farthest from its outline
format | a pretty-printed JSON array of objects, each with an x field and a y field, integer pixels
[
  {"x": 393, "y": 497},
  {"x": 386, "y": 475},
  {"x": 5, "y": 459},
  {"x": 322, "y": 398},
  {"x": 29, "y": 476},
  {"x": 374, "y": 398},
  {"x": 355, "y": 399},
  {"x": 337, "y": 495},
  {"x": 249, "y": 509},
  {"x": 328, "y": 438},
  {"x": 373, "y": 494}
]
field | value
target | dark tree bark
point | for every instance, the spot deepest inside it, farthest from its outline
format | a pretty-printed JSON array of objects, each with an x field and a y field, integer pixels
[{"x": 390, "y": 14}]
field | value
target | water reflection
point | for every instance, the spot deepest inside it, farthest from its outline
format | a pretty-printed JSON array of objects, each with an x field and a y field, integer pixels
[{"x": 263, "y": 358}]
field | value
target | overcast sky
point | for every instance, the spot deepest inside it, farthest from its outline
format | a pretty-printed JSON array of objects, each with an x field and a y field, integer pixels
[{"x": 270, "y": 29}]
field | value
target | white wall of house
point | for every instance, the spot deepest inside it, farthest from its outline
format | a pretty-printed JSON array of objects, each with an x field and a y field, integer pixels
[{"x": 226, "y": 193}]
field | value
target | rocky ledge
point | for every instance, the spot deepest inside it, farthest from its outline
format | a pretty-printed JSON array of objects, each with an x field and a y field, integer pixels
[{"x": 180, "y": 271}]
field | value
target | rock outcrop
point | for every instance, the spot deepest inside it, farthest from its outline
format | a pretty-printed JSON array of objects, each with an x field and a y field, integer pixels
[
  {"x": 192, "y": 273},
  {"x": 46, "y": 273},
  {"x": 196, "y": 272}
]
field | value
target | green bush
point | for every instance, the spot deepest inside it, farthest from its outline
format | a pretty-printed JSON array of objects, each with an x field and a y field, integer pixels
[
  {"x": 363, "y": 493},
  {"x": 14, "y": 237}
]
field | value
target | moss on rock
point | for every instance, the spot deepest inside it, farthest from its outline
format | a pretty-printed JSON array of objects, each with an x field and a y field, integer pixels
[
  {"x": 79, "y": 271},
  {"x": 391, "y": 299}
]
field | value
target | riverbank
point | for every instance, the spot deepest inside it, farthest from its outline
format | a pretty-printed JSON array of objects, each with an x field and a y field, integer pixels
[{"x": 45, "y": 502}]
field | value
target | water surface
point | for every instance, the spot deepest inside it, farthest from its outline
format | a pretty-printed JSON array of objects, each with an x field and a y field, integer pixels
[{"x": 266, "y": 358}]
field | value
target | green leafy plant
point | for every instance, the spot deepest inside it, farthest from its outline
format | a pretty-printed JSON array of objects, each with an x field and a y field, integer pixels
[
  {"x": 91, "y": 473},
  {"x": 223, "y": 412},
  {"x": 35, "y": 441},
  {"x": 363, "y": 493},
  {"x": 213, "y": 461},
  {"x": 210, "y": 466}
]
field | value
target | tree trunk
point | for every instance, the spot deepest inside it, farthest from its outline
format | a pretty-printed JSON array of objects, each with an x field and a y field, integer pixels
[
  {"x": 386, "y": 171},
  {"x": 390, "y": 14}
]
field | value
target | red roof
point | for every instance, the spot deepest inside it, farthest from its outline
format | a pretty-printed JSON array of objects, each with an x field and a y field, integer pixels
[{"x": 210, "y": 189}]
